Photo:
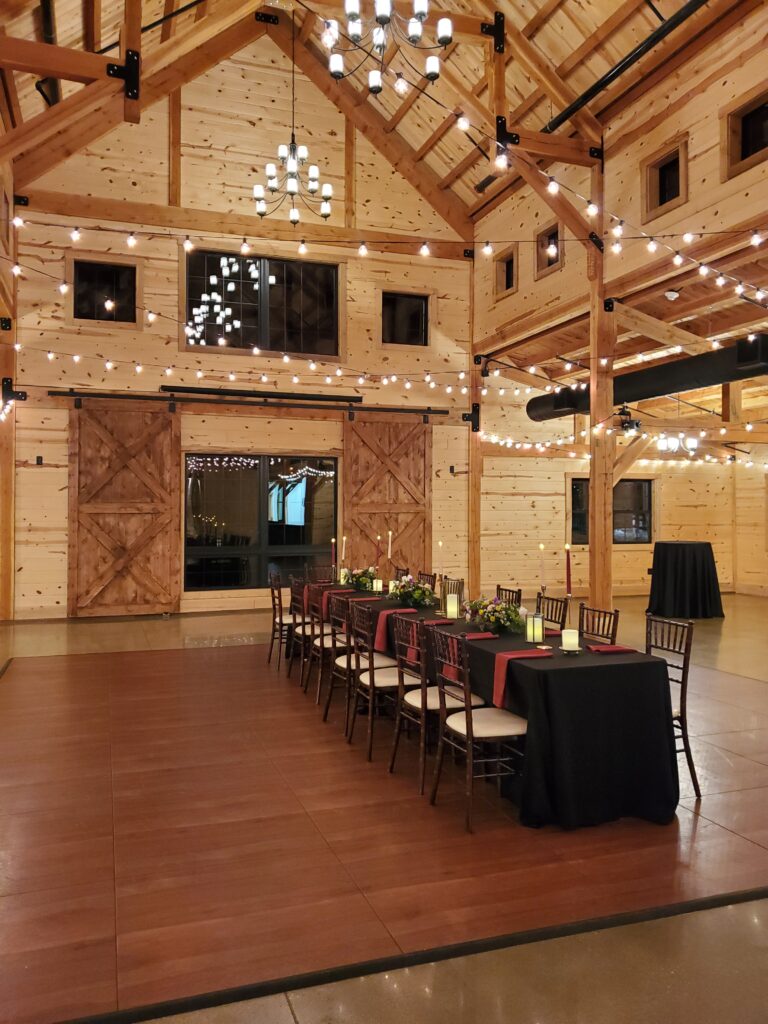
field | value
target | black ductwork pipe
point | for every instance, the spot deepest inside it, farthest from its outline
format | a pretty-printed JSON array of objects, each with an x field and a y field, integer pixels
[
  {"x": 745, "y": 359},
  {"x": 632, "y": 58}
]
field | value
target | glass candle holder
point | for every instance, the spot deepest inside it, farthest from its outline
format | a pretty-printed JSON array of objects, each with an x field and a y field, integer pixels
[
  {"x": 570, "y": 639},
  {"x": 452, "y": 606}
]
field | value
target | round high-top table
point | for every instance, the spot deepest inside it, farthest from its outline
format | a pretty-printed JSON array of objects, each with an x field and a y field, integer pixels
[{"x": 684, "y": 582}]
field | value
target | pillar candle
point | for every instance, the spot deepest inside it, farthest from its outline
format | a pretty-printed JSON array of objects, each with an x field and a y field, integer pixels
[
  {"x": 452, "y": 606},
  {"x": 378, "y": 586},
  {"x": 391, "y": 586},
  {"x": 570, "y": 639},
  {"x": 568, "y": 589},
  {"x": 343, "y": 548},
  {"x": 378, "y": 548},
  {"x": 541, "y": 565},
  {"x": 389, "y": 544},
  {"x": 333, "y": 551},
  {"x": 538, "y": 628}
]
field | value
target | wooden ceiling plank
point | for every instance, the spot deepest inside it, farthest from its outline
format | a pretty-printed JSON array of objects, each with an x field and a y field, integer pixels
[
  {"x": 370, "y": 123},
  {"x": 432, "y": 140},
  {"x": 49, "y": 61}
]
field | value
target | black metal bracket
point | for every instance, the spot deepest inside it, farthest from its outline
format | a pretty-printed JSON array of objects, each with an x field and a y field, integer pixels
[
  {"x": 267, "y": 19},
  {"x": 608, "y": 305},
  {"x": 8, "y": 393},
  {"x": 504, "y": 137},
  {"x": 477, "y": 360},
  {"x": 425, "y": 418},
  {"x": 350, "y": 414},
  {"x": 5, "y": 323},
  {"x": 597, "y": 241},
  {"x": 21, "y": 200},
  {"x": 596, "y": 152},
  {"x": 129, "y": 72},
  {"x": 469, "y": 254},
  {"x": 473, "y": 417},
  {"x": 78, "y": 403},
  {"x": 495, "y": 28}
]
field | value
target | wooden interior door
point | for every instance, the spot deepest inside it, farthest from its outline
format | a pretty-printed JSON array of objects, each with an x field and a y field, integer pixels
[
  {"x": 124, "y": 508},
  {"x": 388, "y": 486}
]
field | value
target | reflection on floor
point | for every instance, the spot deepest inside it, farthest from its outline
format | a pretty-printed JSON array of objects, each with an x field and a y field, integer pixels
[
  {"x": 707, "y": 967},
  {"x": 178, "y": 821}
]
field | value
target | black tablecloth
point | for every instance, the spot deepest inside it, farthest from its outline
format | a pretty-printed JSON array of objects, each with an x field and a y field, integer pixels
[
  {"x": 600, "y": 743},
  {"x": 684, "y": 581}
]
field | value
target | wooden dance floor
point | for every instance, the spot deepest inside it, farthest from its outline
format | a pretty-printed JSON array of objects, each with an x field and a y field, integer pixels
[{"x": 177, "y": 822}]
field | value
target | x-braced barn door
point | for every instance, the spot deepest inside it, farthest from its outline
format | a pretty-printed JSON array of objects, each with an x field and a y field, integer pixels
[
  {"x": 124, "y": 539},
  {"x": 388, "y": 486}
]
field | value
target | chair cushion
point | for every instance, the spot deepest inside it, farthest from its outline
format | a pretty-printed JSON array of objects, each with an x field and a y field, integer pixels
[
  {"x": 379, "y": 661},
  {"x": 453, "y": 701},
  {"x": 386, "y": 679},
  {"x": 305, "y": 629},
  {"x": 489, "y": 723},
  {"x": 326, "y": 640}
]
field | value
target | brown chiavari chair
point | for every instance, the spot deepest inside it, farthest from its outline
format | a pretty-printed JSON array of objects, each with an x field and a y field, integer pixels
[
  {"x": 318, "y": 649},
  {"x": 451, "y": 586},
  {"x": 554, "y": 610},
  {"x": 416, "y": 699},
  {"x": 509, "y": 594},
  {"x": 280, "y": 629},
  {"x": 487, "y": 737},
  {"x": 399, "y": 571},
  {"x": 321, "y": 573},
  {"x": 597, "y": 625},
  {"x": 673, "y": 641},
  {"x": 297, "y": 641},
  {"x": 430, "y": 578},
  {"x": 341, "y": 653},
  {"x": 371, "y": 683}
]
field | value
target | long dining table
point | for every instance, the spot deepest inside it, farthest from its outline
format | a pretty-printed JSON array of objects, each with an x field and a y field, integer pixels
[{"x": 600, "y": 742}]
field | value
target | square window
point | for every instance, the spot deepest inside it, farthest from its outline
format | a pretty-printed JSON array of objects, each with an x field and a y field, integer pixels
[
  {"x": 632, "y": 511},
  {"x": 550, "y": 251},
  {"x": 506, "y": 271},
  {"x": 664, "y": 180},
  {"x": 104, "y": 291},
  {"x": 744, "y": 133},
  {"x": 404, "y": 318}
]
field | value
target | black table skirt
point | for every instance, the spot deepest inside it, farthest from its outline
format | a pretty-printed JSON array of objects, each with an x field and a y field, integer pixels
[
  {"x": 600, "y": 743},
  {"x": 684, "y": 582}
]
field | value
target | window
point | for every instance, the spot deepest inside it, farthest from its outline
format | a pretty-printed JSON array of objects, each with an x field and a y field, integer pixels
[
  {"x": 104, "y": 291},
  {"x": 404, "y": 318},
  {"x": 244, "y": 302},
  {"x": 632, "y": 512},
  {"x": 744, "y": 133},
  {"x": 665, "y": 180},
  {"x": 506, "y": 271},
  {"x": 550, "y": 251},
  {"x": 249, "y": 515}
]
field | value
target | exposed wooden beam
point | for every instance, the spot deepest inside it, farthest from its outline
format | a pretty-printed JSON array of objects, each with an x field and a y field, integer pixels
[
  {"x": 48, "y": 61},
  {"x": 350, "y": 174},
  {"x": 174, "y": 148},
  {"x": 732, "y": 404},
  {"x": 92, "y": 24},
  {"x": 168, "y": 27},
  {"x": 12, "y": 116},
  {"x": 370, "y": 123},
  {"x": 658, "y": 330},
  {"x": 562, "y": 207},
  {"x": 434, "y": 137},
  {"x": 554, "y": 147},
  {"x": 500, "y": 451},
  {"x": 626, "y": 457},
  {"x": 130, "y": 41},
  {"x": 187, "y": 220},
  {"x": 7, "y": 488}
]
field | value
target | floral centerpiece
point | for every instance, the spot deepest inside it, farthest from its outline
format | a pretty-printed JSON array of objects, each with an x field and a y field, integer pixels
[
  {"x": 362, "y": 579},
  {"x": 495, "y": 615},
  {"x": 413, "y": 592}
]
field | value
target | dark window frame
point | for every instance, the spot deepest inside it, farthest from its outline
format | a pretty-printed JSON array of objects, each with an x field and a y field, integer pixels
[
  {"x": 74, "y": 256},
  {"x": 579, "y": 504},
  {"x": 545, "y": 264},
  {"x": 261, "y": 335},
  {"x": 732, "y": 162},
  {"x": 425, "y": 298},
  {"x": 651, "y": 184},
  {"x": 262, "y": 551},
  {"x": 508, "y": 255}
]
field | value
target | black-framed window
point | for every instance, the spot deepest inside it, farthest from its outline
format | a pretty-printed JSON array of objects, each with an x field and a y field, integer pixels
[
  {"x": 632, "y": 511},
  {"x": 249, "y": 515},
  {"x": 404, "y": 318},
  {"x": 104, "y": 291},
  {"x": 668, "y": 172},
  {"x": 754, "y": 130},
  {"x": 272, "y": 304}
]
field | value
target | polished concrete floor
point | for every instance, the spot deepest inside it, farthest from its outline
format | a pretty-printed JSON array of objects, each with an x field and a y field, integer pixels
[{"x": 707, "y": 967}]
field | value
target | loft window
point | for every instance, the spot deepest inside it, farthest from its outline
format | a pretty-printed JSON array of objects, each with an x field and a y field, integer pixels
[
  {"x": 632, "y": 512},
  {"x": 506, "y": 271},
  {"x": 665, "y": 180},
  {"x": 249, "y": 515},
  {"x": 404, "y": 318},
  {"x": 276, "y": 305},
  {"x": 744, "y": 133},
  {"x": 104, "y": 291},
  {"x": 550, "y": 251}
]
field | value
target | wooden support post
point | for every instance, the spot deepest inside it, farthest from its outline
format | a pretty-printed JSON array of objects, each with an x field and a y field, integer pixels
[
  {"x": 92, "y": 25},
  {"x": 174, "y": 148},
  {"x": 474, "y": 488},
  {"x": 731, "y": 408},
  {"x": 350, "y": 173},
  {"x": 602, "y": 341},
  {"x": 7, "y": 485}
]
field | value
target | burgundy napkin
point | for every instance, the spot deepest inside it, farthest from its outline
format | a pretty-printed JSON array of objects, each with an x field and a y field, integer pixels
[
  {"x": 380, "y": 644},
  {"x": 500, "y": 669},
  {"x": 480, "y": 636},
  {"x": 610, "y": 649},
  {"x": 552, "y": 632}
]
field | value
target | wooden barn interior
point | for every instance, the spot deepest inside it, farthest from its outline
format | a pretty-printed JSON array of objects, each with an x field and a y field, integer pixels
[{"x": 470, "y": 292}]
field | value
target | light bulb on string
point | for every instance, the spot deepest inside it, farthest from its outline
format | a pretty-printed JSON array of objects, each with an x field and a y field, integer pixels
[
  {"x": 51, "y": 356},
  {"x": 151, "y": 317},
  {"x": 138, "y": 368},
  {"x": 501, "y": 162},
  {"x": 295, "y": 379},
  {"x": 168, "y": 371},
  {"x": 688, "y": 237},
  {"x": 231, "y": 376},
  {"x": 302, "y": 250},
  {"x": 652, "y": 245},
  {"x": 487, "y": 249},
  {"x": 618, "y": 229},
  {"x": 719, "y": 280},
  {"x": 188, "y": 245},
  {"x": 677, "y": 259},
  {"x": 401, "y": 85},
  {"x": 703, "y": 270},
  {"x": 329, "y": 380},
  {"x": 592, "y": 209},
  {"x": 616, "y": 247},
  {"x": 312, "y": 365},
  {"x": 109, "y": 365},
  {"x": 424, "y": 250},
  {"x": 362, "y": 249},
  {"x": 16, "y": 271},
  {"x": 264, "y": 378},
  {"x": 338, "y": 371},
  {"x": 244, "y": 248},
  {"x": 462, "y": 123},
  {"x": 17, "y": 221},
  {"x": 286, "y": 358},
  {"x": 552, "y": 186},
  {"x": 407, "y": 385},
  {"x": 756, "y": 239},
  {"x": 74, "y": 234},
  {"x": 131, "y": 241}
]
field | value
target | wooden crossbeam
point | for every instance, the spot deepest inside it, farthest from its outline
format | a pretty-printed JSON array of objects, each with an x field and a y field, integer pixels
[
  {"x": 350, "y": 174},
  {"x": 500, "y": 451},
  {"x": 626, "y": 457},
  {"x": 732, "y": 404},
  {"x": 658, "y": 330},
  {"x": 49, "y": 61},
  {"x": 187, "y": 220},
  {"x": 558, "y": 203},
  {"x": 370, "y": 123},
  {"x": 554, "y": 147},
  {"x": 174, "y": 148}
]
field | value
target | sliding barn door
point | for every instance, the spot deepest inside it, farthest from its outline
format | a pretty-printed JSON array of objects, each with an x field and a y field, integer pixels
[
  {"x": 124, "y": 537},
  {"x": 388, "y": 486}
]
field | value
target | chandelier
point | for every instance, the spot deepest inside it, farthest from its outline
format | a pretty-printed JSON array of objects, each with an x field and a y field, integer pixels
[
  {"x": 294, "y": 179},
  {"x": 374, "y": 36}
]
